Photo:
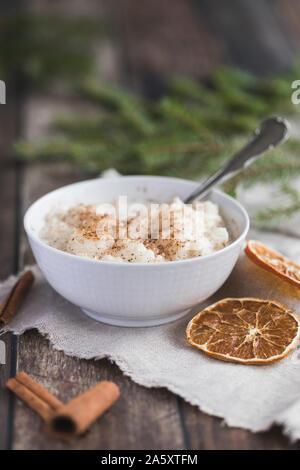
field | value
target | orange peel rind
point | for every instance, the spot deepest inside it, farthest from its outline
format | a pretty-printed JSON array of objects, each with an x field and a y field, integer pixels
[{"x": 273, "y": 262}]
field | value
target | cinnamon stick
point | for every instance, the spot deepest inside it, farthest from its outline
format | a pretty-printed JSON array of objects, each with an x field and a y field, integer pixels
[
  {"x": 34, "y": 395},
  {"x": 77, "y": 416},
  {"x": 11, "y": 303},
  {"x": 64, "y": 421}
]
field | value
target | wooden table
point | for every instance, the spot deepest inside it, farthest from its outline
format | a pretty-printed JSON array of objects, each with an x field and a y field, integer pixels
[{"x": 142, "y": 418}]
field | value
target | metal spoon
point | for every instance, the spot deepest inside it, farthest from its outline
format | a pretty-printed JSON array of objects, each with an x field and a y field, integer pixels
[{"x": 271, "y": 133}]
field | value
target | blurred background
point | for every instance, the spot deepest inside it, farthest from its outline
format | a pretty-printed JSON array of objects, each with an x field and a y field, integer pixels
[{"x": 152, "y": 87}]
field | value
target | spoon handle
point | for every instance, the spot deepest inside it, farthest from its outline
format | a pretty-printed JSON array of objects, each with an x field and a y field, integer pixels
[{"x": 271, "y": 132}]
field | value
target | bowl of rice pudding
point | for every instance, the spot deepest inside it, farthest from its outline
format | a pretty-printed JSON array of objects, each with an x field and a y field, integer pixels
[{"x": 129, "y": 252}]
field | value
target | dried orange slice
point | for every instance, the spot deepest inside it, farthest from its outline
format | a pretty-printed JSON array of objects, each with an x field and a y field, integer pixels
[
  {"x": 248, "y": 331},
  {"x": 274, "y": 262}
]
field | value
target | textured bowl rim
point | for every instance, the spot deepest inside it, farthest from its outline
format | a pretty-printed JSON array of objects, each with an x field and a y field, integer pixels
[{"x": 159, "y": 265}]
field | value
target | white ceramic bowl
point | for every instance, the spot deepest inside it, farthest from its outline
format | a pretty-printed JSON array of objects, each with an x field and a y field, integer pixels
[{"x": 139, "y": 294}]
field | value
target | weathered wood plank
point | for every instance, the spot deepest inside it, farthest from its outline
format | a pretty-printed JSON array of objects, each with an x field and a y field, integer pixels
[
  {"x": 163, "y": 41},
  {"x": 141, "y": 419},
  {"x": 289, "y": 13},
  {"x": 209, "y": 433},
  {"x": 7, "y": 233},
  {"x": 245, "y": 27},
  {"x": 8, "y": 196}
]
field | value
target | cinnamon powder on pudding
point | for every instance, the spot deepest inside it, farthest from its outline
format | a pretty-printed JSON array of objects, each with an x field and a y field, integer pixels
[{"x": 167, "y": 232}]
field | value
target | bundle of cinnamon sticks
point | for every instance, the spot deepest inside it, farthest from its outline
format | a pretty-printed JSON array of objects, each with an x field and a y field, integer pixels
[{"x": 65, "y": 421}]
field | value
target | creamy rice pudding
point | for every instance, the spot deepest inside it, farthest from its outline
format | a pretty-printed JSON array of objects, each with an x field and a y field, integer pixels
[{"x": 148, "y": 233}]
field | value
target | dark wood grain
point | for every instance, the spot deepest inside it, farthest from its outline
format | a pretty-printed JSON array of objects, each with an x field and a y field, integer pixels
[
  {"x": 289, "y": 12},
  {"x": 252, "y": 33},
  {"x": 9, "y": 119},
  {"x": 208, "y": 432},
  {"x": 9, "y": 129},
  {"x": 7, "y": 237}
]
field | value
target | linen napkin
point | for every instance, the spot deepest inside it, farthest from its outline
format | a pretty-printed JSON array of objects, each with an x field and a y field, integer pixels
[{"x": 251, "y": 397}]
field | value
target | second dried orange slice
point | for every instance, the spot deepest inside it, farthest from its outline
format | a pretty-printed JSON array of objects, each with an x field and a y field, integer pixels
[
  {"x": 247, "y": 330},
  {"x": 274, "y": 262}
]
